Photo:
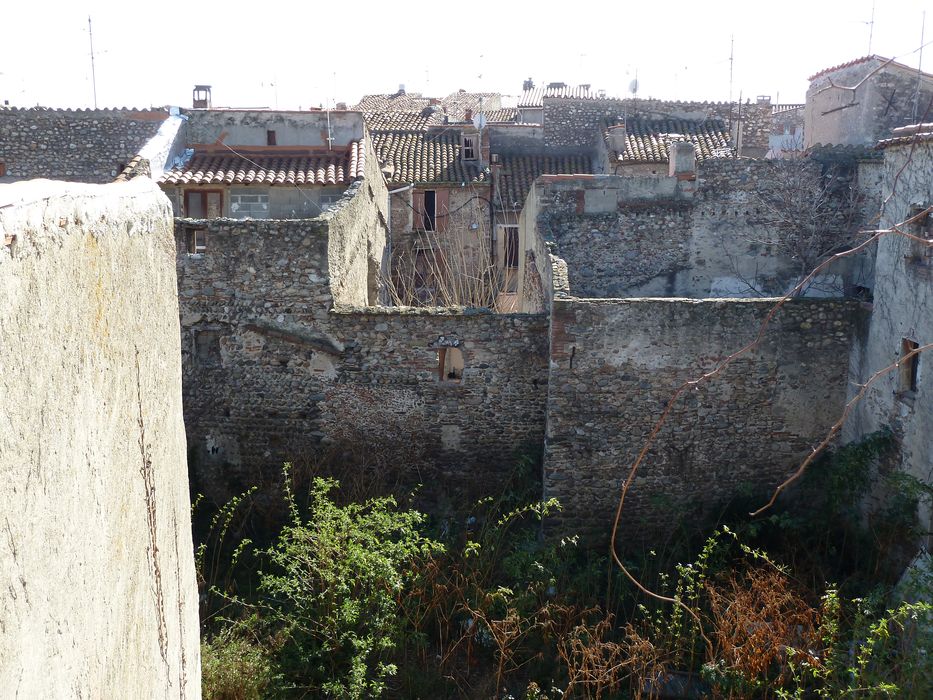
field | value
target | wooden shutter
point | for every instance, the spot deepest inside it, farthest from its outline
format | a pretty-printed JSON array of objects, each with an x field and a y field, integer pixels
[
  {"x": 417, "y": 203},
  {"x": 442, "y": 208}
]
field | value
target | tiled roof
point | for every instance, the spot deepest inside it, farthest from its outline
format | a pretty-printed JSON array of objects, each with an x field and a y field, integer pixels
[
  {"x": 535, "y": 96},
  {"x": 778, "y": 109},
  {"x": 398, "y": 102},
  {"x": 317, "y": 168},
  {"x": 648, "y": 140},
  {"x": 453, "y": 105},
  {"x": 519, "y": 172},
  {"x": 402, "y": 121},
  {"x": 864, "y": 59},
  {"x": 501, "y": 115},
  {"x": 419, "y": 156},
  {"x": 908, "y": 134}
]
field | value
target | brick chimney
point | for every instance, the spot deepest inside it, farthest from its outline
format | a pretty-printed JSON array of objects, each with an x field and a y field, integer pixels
[
  {"x": 201, "y": 97},
  {"x": 468, "y": 115}
]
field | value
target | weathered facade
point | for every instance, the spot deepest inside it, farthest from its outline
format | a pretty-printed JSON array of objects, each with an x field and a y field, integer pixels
[
  {"x": 901, "y": 397},
  {"x": 96, "y": 563},
  {"x": 861, "y": 101}
]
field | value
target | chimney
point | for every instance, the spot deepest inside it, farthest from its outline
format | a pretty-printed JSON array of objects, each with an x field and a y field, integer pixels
[
  {"x": 401, "y": 89},
  {"x": 764, "y": 99},
  {"x": 528, "y": 85},
  {"x": 556, "y": 86},
  {"x": 341, "y": 106},
  {"x": 683, "y": 161},
  {"x": 468, "y": 115},
  {"x": 201, "y": 97},
  {"x": 618, "y": 137}
]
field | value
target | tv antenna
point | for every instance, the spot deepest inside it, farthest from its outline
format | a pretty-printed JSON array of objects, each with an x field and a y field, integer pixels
[
  {"x": 731, "y": 63},
  {"x": 871, "y": 26},
  {"x": 90, "y": 35}
]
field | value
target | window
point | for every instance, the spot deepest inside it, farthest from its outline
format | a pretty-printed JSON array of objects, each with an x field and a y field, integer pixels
[
  {"x": 921, "y": 252},
  {"x": 247, "y": 204},
  {"x": 510, "y": 242},
  {"x": 909, "y": 367},
  {"x": 207, "y": 348},
  {"x": 195, "y": 240},
  {"x": 469, "y": 148},
  {"x": 449, "y": 365},
  {"x": 429, "y": 213},
  {"x": 430, "y": 209},
  {"x": 270, "y": 137},
  {"x": 203, "y": 204},
  {"x": 2, "y": 168}
]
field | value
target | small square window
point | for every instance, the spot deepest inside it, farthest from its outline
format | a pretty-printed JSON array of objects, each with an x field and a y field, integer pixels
[
  {"x": 270, "y": 137},
  {"x": 196, "y": 240},
  {"x": 449, "y": 365}
]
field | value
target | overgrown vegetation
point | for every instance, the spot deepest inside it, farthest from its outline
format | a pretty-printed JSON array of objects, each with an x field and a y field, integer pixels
[{"x": 359, "y": 598}]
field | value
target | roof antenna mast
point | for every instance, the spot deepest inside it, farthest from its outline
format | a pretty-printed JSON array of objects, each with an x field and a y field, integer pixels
[
  {"x": 90, "y": 35},
  {"x": 731, "y": 63},
  {"x": 871, "y": 26}
]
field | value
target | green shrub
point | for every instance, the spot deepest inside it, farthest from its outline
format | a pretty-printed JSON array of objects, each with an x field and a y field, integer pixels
[{"x": 234, "y": 667}]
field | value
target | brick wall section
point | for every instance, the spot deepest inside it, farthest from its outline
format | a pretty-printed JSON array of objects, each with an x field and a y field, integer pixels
[
  {"x": 744, "y": 431},
  {"x": 78, "y": 145}
]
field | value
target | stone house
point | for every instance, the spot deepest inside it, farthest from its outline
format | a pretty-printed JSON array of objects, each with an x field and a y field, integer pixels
[
  {"x": 901, "y": 398},
  {"x": 861, "y": 101}
]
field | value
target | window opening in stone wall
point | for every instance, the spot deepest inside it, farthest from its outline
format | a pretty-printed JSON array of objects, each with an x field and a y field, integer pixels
[
  {"x": 2, "y": 168},
  {"x": 203, "y": 204},
  {"x": 449, "y": 365},
  {"x": 511, "y": 246},
  {"x": 247, "y": 204},
  {"x": 469, "y": 148},
  {"x": 429, "y": 213},
  {"x": 195, "y": 240},
  {"x": 909, "y": 366},
  {"x": 921, "y": 252},
  {"x": 270, "y": 137},
  {"x": 207, "y": 348}
]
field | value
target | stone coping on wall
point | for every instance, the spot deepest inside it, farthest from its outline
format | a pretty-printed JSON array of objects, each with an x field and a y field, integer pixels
[{"x": 407, "y": 311}]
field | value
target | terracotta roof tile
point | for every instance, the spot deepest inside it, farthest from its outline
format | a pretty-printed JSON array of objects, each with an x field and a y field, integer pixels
[
  {"x": 519, "y": 172},
  {"x": 403, "y": 121},
  {"x": 317, "y": 168},
  {"x": 498, "y": 116},
  {"x": 419, "y": 156},
  {"x": 535, "y": 96},
  {"x": 648, "y": 140}
]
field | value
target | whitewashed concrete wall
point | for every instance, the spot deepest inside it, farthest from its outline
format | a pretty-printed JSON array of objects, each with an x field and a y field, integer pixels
[{"x": 97, "y": 586}]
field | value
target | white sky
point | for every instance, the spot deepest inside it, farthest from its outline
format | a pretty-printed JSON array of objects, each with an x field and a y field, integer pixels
[{"x": 308, "y": 53}]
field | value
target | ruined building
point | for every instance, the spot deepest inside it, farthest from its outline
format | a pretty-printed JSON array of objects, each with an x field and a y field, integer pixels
[{"x": 450, "y": 284}]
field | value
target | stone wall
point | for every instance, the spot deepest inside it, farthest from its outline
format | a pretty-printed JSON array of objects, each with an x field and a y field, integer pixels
[
  {"x": 273, "y": 372},
  {"x": 78, "y": 145},
  {"x": 616, "y": 363},
  {"x": 96, "y": 561},
  {"x": 658, "y": 236},
  {"x": 903, "y": 310},
  {"x": 579, "y": 123}
]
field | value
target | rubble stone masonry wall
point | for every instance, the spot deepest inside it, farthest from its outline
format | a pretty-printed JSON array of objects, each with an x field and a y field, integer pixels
[
  {"x": 76, "y": 145},
  {"x": 274, "y": 373},
  {"x": 616, "y": 363},
  {"x": 628, "y": 237},
  {"x": 96, "y": 559}
]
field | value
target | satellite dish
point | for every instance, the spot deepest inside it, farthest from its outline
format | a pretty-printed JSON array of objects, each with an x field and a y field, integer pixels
[
  {"x": 479, "y": 121},
  {"x": 633, "y": 86}
]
